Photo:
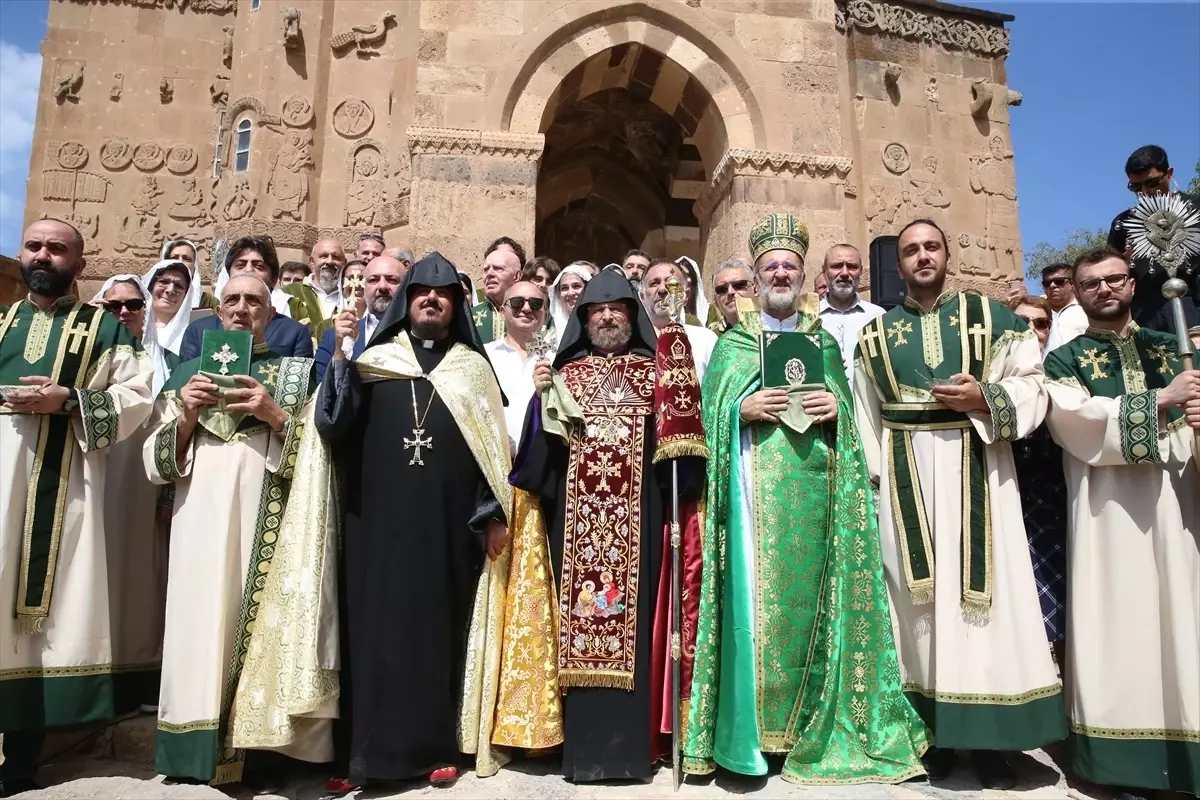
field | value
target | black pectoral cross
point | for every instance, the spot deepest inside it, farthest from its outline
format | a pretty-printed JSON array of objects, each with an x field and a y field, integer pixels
[{"x": 418, "y": 442}]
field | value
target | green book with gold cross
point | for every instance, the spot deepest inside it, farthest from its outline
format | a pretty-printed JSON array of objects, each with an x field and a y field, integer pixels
[
  {"x": 224, "y": 354},
  {"x": 792, "y": 360}
]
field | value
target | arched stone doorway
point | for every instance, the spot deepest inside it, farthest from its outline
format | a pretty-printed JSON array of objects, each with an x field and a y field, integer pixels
[{"x": 621, "y": 168}]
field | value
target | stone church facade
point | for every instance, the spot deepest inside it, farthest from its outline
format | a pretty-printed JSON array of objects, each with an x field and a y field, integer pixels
[{"x": 580, "y": 127}]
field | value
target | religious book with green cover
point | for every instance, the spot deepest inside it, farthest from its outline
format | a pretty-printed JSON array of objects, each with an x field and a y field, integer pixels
[
  {"x": 224, "y": 354},
  {"x": 792, "y": 360}
]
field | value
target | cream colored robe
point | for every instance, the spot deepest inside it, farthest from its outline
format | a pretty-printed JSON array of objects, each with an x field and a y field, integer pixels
[{"x": 976, "y": 685}]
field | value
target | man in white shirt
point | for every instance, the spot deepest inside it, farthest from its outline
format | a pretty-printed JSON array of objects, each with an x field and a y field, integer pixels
[
  {"x": 326, "y": 262},
  {"x": 382, "y": 279},
  {"x": 1067, "y": 318},
  {"x": 843, "y": 312},
  {"x": 734, "y": 278},
  {"x": 654, "y": 294},
  {"x": 524, "y": 309}
]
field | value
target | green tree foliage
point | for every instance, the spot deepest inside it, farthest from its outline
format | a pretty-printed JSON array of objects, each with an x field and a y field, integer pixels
[
  {"x": 1078, "y": 241},
  {"x": 1193, "y": 187}
]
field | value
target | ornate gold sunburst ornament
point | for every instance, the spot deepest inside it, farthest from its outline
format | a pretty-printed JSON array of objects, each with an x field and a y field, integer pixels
[{"x": 1165, "y": 230}]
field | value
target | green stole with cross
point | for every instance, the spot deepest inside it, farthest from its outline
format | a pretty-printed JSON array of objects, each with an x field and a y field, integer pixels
[
  {"x": 956, "y": 335},
  {"x": 64, "y": 343},
  {"x": 488, "y": 321}
]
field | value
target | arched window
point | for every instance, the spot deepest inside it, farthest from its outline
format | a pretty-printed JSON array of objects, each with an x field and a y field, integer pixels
[
  {"x": 241, "y": 153},
  {"x": 254, "y": 4}
]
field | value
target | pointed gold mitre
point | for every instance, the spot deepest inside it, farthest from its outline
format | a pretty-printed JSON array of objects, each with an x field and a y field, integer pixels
[{"x": 778, "y": 232}]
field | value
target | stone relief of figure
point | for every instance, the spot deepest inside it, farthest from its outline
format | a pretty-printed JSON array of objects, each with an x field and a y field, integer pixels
[
  {"x": 89, "y": 226},
  {"x": 991, "y": 177},
  {"x": 972, "y": 260},
  {"x": 227, "y": 46},
  {"x": 241, "y": 202},
  {"x": 883, "y": 203},
  {"x": 166, "y": 90},
  {"x": 364, "y": 196},
  {"x": 190, "y": 206},
  {"x": 925, "y": 182},
  {"x": 218, "y": 92},
  {"x": 288, "y": 183},
  {"x": 118, "y": 84},
  {"x": 139, "y": 231},
  {"x": 67, "y": 86},
  {"x": 291, "y": 28},
  {"x": 365, "y": 38}
]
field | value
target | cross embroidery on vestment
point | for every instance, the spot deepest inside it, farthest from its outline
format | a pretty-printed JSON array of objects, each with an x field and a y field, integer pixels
[
  {"x": 898, "y": 329},
  {"x": 1094, "y": 358}
]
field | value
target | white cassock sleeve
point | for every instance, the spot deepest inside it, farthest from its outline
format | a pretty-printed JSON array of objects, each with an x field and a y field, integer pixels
[
  {"x": 868, "y": 417},
  {"x": 1112, "y": 431},
  {"x": 116, "y": 401},
  {"x": 1015, "y": 392},
  {"x": 159, "y": 451}
]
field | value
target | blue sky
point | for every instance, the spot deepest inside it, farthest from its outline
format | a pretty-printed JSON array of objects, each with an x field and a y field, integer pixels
[{"x": 1099, "y": 80}]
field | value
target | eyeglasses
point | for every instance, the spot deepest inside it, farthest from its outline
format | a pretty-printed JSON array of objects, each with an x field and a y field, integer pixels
[
  {"x": 722, "y": 289},
  {"x": 168, "y": 284},
  {"x": 787, "y": 266},
  {"x": 375, "y": 237},
  {"x": 1114, "y": 282},
  {"x": 1054, "y": 283},
  {"x": 115, "y": 306},
  {"x": 517, "y": 303},
  {"x": 1037, "y": 323},
  {"x": 1150, "y": 183}
]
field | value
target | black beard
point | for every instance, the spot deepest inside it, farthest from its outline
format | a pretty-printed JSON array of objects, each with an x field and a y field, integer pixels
[
  {"x": 43, "y": 279},
  {"x": 430, "y": 331},
  {"x": 1121, "y": 310}
]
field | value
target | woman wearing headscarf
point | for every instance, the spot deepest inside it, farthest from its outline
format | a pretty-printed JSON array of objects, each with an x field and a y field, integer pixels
[
  {"x": 186, "y": 251},
  {"x": 170, "y": 287},
  {"x": 135, "y": 550},
  {"x": 565, "y": 292},
  {"x": 696, "y": 311}
]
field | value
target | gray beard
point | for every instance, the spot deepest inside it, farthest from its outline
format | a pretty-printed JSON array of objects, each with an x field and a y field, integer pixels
[
  {"x": 380, "y": 305},
  {"x": 610, "y": 338},
  {"x": 328, "y": 280},
  {"x": 777, "y": 302}
]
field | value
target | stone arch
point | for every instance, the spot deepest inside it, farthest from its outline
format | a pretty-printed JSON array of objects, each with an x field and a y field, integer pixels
[{"x": 587, "y": 29}]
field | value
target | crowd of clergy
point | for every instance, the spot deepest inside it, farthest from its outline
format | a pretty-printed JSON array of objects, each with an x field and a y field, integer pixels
[{"x": 419, "y": 527}]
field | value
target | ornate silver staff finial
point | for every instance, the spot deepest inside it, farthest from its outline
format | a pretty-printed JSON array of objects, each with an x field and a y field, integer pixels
[
  {"x": 1165, "y": 230},
  {"x": 675, "y": 300},
  {"x": 543, "y": 345}
]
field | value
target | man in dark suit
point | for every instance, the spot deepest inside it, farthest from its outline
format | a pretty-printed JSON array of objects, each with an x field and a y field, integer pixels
[
  {"x": 254, "y": 255},
  {"x": 383, "y": 276}
]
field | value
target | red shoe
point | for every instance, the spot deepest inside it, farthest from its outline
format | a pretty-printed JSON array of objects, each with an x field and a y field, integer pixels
[
  {"x": 340, "y": 786},
  {"x": 443, "y": 776}
]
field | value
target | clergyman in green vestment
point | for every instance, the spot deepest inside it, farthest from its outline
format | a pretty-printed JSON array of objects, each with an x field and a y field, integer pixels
[{"x": 794, "y": 651}]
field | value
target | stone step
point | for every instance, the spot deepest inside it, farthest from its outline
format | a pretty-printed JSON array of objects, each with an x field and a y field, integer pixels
[{"x": 130, "y": 739}]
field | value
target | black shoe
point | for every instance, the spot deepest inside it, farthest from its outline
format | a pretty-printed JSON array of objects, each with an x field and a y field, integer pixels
[
  {"x": 1129, "y": 794},
  {"x": 993, "y": 770},
  {"x": 183, "y": 780},
  {"x": 939, "y": 763},
  {"x": 15, "y": 786}
]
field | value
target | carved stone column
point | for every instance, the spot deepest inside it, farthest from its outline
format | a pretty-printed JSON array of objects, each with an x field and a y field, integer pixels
[
  {"x": 470, "y": 187},
  {"x": 748, "y": 184}
]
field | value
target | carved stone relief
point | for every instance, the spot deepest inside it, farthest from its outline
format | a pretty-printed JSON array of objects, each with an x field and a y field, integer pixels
[
  {"x": 291, "y": 28},
  {"x": 139, "y": 231},
  {"x": 198, "y": 6},
  {"x": 353, "y": 118},
  {"x": 891, "y": 75},
  {"x": 241, "y": 201},
  {"x": 115, "y": 154},
  {"x": 981, "y": 98},
  {"x": 1014, "y": 98},
  {"x": 72, "y": 155},
  {"x": 68, "y": 84},
  {"x": 166, "y": 90},
  {"x": 875, "y": 16},
  {"x": 925, "y": 184},
  {"x": 148, "y": 156},
  {"x": 74, "y": 186},
  {"x": 297, "y": 112},
  {"x": 227, "y": 45},
  {"x": 991, "y": 177},
  {"x": 88, "y": 226},
  {"x": 190, "y": 204},
  {"x": 973, "y": 255},
  {"x": 366, "y": 39},
  {"x": 895, "y": 158},
  {"x": 181, "y": 159},
  {"x": 288, "y": 182},
  {"x": 118, "y": 84},
  {"x": 884, "y": 201},
  {"x": 365, "y": 185},
  {"x": 931, "y": 93},
  {"x": 218, "y": 92}
]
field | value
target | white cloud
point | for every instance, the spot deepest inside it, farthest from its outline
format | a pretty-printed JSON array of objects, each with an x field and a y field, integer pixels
[{"x": 20, "y": 75}]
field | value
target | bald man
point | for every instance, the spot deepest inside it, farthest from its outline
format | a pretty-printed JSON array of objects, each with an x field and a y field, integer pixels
[
  {"x": 218, "y": 560},
  {"x": 349, "y": 334},
  {"x": 401, "y": 254},
  {"x": 326, "y": 262},
  {"x": 74, "y": 381}
]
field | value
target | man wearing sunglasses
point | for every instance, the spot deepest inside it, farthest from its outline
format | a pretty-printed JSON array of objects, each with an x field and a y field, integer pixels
[
  {"x": 734, "y": 278},
  {"x": 1150, "y": 173},
  {"x": 524, "y": 310},
  {"x": 1068, "y": 319},
  {"x": 1126, "y": 413}
]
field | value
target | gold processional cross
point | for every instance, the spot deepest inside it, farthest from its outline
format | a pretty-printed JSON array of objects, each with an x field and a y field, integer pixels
[
  {"x": 1092, "y": 357},
  {"x": 225, "y": 356}
]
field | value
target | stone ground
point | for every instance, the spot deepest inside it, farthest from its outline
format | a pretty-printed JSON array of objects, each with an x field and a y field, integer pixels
[{"x": 117, "y": 762}]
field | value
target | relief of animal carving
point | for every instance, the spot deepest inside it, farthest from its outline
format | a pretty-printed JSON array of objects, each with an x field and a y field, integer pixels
[
  {"x": 67, "y": 86},
  {"x": 365, "y": 38},
  {"x": 291, "y": 28},
  {"x": 981, "y": 98}
]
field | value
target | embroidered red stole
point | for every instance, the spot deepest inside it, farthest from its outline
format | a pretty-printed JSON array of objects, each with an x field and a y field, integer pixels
[{"x": 602, "y": 531}]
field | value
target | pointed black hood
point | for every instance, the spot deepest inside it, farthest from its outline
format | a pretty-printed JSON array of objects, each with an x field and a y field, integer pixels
[
  {"x": 606, "y": 287},
  {"x": 433, "y": 271}
]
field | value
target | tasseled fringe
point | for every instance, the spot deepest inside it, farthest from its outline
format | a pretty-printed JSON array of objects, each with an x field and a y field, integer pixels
[
  {"x": 685, "y": 706},
  {"x": 680, "y": 448},
  {"x": 28, "y": 625},
  {"x": 976, "y": 611},
  {"x": 228, "y": 773},
  {"x": 590, "y": 679},
  {"x": 921, "y": 595}
]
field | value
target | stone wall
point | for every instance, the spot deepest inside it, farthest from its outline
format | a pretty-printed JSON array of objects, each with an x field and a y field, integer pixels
[
  {"x": 426, "y": 120},
  {"x": 12, "y": 288}
]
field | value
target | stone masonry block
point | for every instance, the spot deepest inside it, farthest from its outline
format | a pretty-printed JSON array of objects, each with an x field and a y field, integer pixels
[
  {"x": 509, "y": 172},
  {"x": 448, "y": 169},
  {"x": 432, "y": 47},
  {"x": 772, "y": 38},
  {"x": 451, "y": 79}
]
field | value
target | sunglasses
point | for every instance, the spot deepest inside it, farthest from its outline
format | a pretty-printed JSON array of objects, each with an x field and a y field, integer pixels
[
  {"x": 1037, "y": 323},
  {"x": 722, "y": 289},
  {"x": 115, "y": 306},
  {"x": 1149, "y": 183},
  {"x": 375, "y": 237},
  {"x": 1048, "y": 283},
  {"x": 517, "y": 303}
]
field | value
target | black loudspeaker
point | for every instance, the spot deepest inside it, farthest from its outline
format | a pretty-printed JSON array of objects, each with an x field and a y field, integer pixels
[{"x": 887, "y": 287}]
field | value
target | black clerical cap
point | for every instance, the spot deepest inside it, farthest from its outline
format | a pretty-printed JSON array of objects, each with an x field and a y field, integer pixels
[
  {"x": 433, "y": 271},
  {"x": 608, "y": 286}
]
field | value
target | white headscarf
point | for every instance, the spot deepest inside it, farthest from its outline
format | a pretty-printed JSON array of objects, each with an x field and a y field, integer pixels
[
  {"x": 170, "y": 338},
  {"x": 195, "y": 289},
  {"x": 559, "y": 312},
  {"x": 697, "y": 285}
]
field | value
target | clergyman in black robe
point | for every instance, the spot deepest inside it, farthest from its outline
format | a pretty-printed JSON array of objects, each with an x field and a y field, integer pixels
[
  {"x": 415, "y": 427},
  {"x": 604, "y": 502}
]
